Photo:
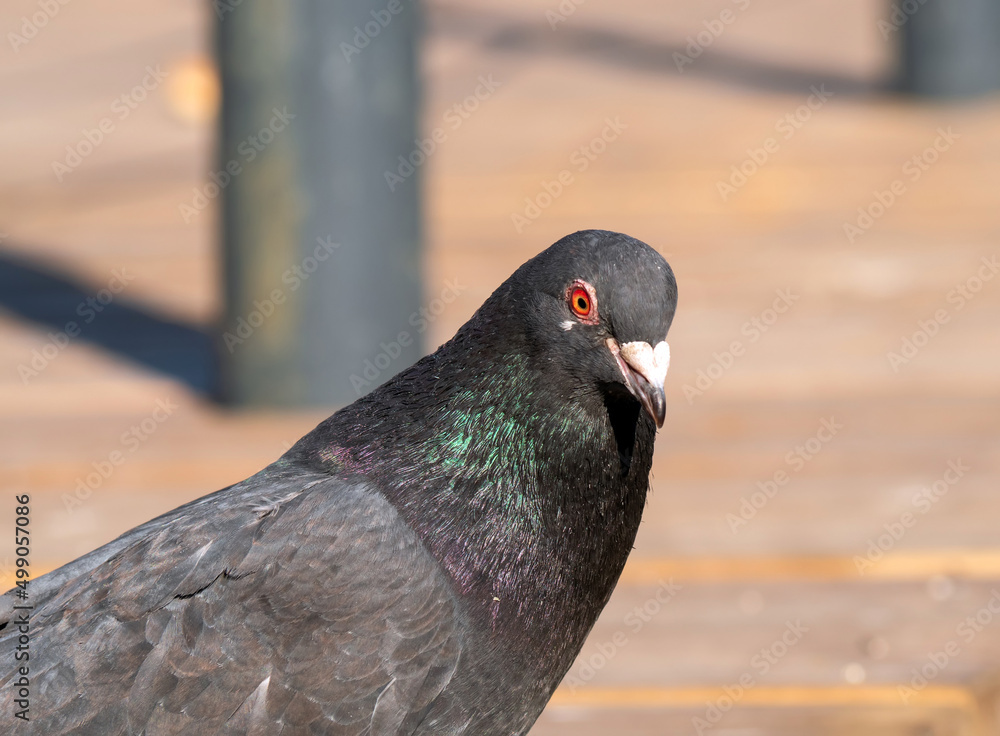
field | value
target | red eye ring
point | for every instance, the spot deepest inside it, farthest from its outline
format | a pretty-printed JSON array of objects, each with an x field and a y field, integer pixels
[
  {"x": 580, "y": 303},
  {"x": 582, "y": 300}
]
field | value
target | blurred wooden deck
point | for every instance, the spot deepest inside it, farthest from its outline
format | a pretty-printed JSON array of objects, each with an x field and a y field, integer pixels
[{"x": 768, "y": 626}]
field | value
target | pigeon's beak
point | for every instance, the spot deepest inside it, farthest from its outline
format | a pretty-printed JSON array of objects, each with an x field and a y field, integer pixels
[{"x": 645, "y": 369}]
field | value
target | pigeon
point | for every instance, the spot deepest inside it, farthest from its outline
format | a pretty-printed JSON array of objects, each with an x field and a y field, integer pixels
[{"x": 427, "y": 560}]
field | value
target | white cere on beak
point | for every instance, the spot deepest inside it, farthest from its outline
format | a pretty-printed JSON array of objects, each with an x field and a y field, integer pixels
[
  {"x": 652, "y": 363},
  {"x": 567, "y": 325}
]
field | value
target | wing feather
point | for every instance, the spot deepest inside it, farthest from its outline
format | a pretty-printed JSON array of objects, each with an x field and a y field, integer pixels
[{"x": 309, "y": 609}]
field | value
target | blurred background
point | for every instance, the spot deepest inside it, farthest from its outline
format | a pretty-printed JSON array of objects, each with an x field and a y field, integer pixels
[{"x": 221, "y": 220}]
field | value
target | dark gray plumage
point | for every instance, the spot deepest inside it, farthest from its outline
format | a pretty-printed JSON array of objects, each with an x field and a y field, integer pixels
[{"x": 429, "y": 560}]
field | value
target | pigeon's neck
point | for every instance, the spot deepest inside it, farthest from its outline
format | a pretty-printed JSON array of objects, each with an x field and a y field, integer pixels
[{"x": 527, "y": 492}]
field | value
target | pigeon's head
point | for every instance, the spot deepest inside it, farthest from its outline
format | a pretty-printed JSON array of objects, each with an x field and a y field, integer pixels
[{"x": 596, "y": 307}]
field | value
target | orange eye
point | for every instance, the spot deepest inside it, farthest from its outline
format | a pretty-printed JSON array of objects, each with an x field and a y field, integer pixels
[{"x": 579, "y": 301}]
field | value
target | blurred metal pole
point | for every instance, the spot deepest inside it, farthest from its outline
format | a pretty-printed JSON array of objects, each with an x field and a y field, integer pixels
[
  {"x": 321, "y": 257},
  {"x": 950, "y": 48}
]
